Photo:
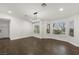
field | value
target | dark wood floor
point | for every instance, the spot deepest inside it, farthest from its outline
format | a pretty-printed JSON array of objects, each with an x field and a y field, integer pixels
[{"x": 36, "y": 46}]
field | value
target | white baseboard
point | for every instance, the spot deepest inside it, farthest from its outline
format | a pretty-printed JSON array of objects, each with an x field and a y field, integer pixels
[{"x": 69, "y": 40}]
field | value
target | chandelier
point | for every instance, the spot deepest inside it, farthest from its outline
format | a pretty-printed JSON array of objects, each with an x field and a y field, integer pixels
[{"x": 43, "y": 4}]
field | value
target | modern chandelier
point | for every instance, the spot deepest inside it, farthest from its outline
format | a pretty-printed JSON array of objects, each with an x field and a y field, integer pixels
[
  {"x": 36, "y": 13},
  {"x": 43, "y": 4}
]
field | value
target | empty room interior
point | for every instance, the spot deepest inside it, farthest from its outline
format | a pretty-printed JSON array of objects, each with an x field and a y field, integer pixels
[{"x": 39, "y": 28}]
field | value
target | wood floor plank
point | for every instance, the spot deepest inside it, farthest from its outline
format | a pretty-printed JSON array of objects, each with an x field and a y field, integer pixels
[{"x": 37, "y": 46}]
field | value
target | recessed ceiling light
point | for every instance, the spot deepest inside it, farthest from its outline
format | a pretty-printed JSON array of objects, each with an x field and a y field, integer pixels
[
  {"x": 9, "y": 11},
  {"x": 61, "y": 9}
]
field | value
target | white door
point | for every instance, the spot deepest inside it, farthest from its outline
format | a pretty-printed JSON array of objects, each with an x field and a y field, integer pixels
[{"x": 4, "y": 29}]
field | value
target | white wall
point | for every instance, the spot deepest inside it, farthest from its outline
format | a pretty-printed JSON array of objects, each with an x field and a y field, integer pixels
[
  {"x": 73, "y": 40},
  {"x": 76, "y": 31},
  {"x": 19, "y": 28},
  {"x": 63, "y": 37}
]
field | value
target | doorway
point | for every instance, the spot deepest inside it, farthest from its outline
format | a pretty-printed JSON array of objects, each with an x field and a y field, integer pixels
[{"x": 4, "y": 28}]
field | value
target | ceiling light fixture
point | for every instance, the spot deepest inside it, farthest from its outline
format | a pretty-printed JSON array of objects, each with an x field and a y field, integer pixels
[
  {"x": 61, "y": 9},
  {"x": 35, "y": 15},
  {"x": 43, "y": 4}
]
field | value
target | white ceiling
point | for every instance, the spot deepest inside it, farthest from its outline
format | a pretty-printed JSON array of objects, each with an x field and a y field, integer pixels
[{"x": 50, "y": 12}]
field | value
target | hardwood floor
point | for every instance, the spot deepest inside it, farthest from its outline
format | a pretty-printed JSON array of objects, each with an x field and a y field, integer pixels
[{"x": 36, "y": 46}]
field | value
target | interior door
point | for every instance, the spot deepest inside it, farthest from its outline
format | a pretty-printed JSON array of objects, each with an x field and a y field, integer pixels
[{"x": 4, "y": 29}]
